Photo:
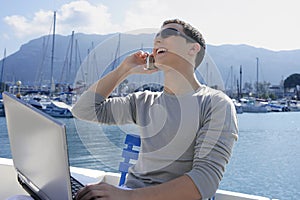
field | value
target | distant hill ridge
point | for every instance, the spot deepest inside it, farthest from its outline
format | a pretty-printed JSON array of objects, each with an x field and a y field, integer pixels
[{"x": 31, "y": 64}]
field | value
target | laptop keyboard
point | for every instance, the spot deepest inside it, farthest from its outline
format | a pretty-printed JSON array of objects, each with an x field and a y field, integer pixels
[{"x": 75, "y": 186}]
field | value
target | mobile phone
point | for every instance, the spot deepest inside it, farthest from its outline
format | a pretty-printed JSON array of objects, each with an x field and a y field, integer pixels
[{"x": 150, "y": 62}]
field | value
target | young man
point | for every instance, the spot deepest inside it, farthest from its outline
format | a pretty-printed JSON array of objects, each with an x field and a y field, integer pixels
[{"x": 187, "y": 130}]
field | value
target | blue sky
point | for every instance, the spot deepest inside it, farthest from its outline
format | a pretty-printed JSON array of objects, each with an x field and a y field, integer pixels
[{"x": 270, "y": 24}]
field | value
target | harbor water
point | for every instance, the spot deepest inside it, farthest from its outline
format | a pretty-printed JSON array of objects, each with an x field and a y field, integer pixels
[{"x": 265, "y": 161}]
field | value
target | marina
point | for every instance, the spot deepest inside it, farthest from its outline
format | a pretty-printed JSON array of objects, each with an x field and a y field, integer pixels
[
  {"x": 49, "y": 60},
  {"x": 265, "y": 159}
]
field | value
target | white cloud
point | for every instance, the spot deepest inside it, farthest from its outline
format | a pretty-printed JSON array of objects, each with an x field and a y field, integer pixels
[
  {"x": 265, "y": 23},
  {"x": 256, "y": 22},
  {"x": 80, "y": 16},
  {"x": 86, "y": 18},
  {"x": 148, "y": 14},
  {"x": 5, "y": 36},
  {"x": 23, "y": 27}
]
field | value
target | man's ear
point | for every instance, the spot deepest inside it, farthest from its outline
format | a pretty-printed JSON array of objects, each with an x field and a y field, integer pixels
[{"x": 195, "y": 48}]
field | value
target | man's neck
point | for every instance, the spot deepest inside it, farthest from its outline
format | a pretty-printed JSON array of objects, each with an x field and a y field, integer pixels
[{"x": 180, "y": 83}]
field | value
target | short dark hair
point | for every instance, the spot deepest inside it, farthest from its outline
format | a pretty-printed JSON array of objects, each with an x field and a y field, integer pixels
[{"x": 193, "y": 33}]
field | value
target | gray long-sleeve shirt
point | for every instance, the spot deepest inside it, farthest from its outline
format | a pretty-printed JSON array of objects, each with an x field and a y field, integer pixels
[{"x": 192, "y": 134}]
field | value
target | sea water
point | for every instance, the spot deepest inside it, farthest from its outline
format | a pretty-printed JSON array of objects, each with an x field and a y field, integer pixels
[{"x": 265, "y": 159}]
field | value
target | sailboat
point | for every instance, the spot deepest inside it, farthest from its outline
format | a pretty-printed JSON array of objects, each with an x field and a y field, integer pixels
[
  {"x": 54, "y": 108},
  {"x": 51, "y": 104}
]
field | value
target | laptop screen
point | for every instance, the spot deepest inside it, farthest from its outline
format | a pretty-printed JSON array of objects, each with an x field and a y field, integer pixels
[{"x": 39, "y": 149}]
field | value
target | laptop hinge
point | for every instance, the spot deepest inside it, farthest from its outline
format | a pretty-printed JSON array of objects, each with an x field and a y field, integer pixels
[{"x": 30, "y": 188}]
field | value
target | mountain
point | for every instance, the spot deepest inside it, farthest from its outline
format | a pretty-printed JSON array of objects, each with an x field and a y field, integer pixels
[
  {"x": 32, "y": 63},
  {"x": 273, "y": 66}
]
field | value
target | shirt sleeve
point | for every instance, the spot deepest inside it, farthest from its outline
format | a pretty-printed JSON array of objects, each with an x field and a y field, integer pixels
[
  {"x": 93, "y": 107},
  {"x": 214, "y": 143}
]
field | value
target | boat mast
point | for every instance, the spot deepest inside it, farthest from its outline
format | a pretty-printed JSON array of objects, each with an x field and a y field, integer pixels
[
  {"x": 2, "y": 70},
  {"x": 241, "y": 72},
  {"x": 70, "y": 62},
  {"x": 52, "y": 54},
  {"x": 231, "y": 81},
  {"x": 257, "y": 77}
]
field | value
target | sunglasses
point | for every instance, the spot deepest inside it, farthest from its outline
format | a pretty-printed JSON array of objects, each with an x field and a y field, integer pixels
[{"x": 165, "y": 33}]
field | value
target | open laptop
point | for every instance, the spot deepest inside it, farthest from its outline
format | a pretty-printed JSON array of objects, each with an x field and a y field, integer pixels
[{"x": 39, "y": 151}]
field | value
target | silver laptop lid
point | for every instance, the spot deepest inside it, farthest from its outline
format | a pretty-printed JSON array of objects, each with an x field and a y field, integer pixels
[{"x": 39, "y": 149}]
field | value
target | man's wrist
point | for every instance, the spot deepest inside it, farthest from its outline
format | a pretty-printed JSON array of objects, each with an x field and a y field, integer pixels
[{"x": 122, "y": 70}]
